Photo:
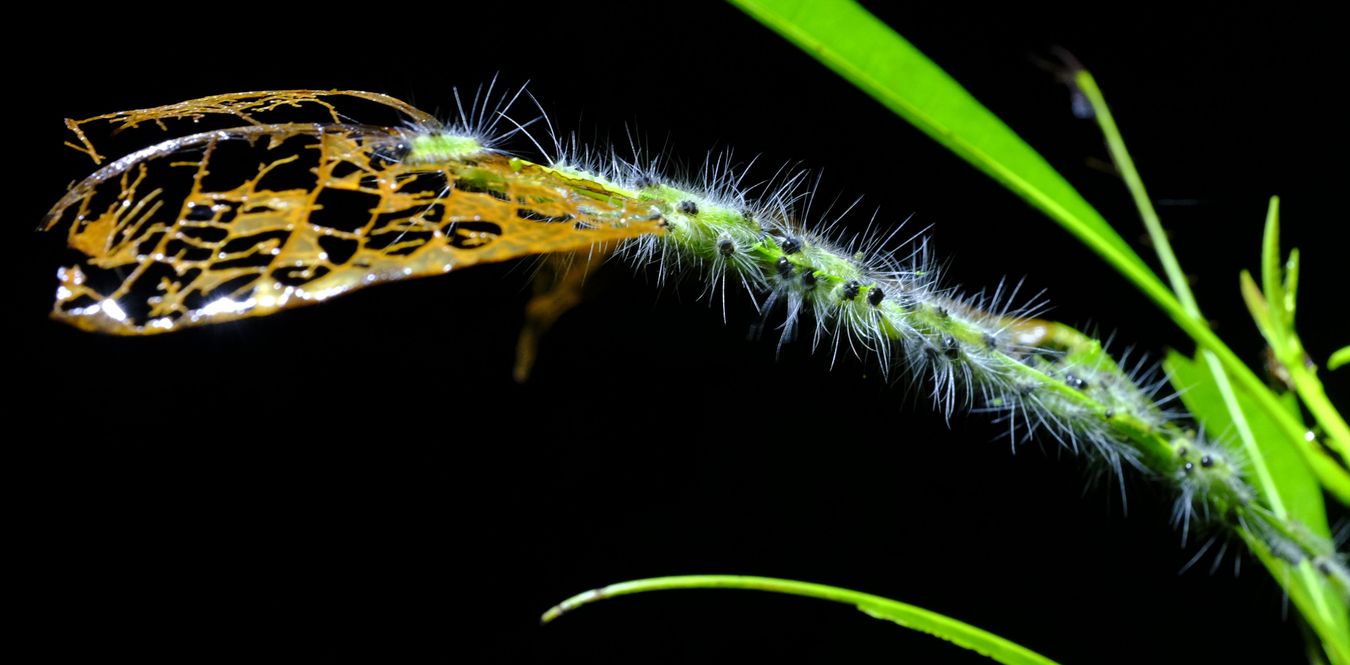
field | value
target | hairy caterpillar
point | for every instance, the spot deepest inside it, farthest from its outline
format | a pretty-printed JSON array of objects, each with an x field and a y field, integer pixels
[
  {"x": 668, "y": 339},
  {"x": 265, "y": 250}
]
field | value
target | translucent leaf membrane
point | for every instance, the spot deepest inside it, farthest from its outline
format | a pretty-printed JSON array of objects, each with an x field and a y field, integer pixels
[
  {"x": 251, "y": 108},
  {"x": 247, "y": 221}
]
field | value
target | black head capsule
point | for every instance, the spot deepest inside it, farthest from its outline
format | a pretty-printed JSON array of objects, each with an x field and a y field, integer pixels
[
  {"x": 784, "y": 267},
  {"x": 791, "y": 245},
  {"x": 1109, "y": 414},
  {"x": 688, "y": 207},
  {"x": 726, "y": 247},
  {"x": 1206, "y": 461},
  {"x": 875, "y": 295},
  {"x": 1075, "y": 382},
  {"x": 645, "y": 181},
  {"x": 850, "y": 290},
  {"x": 809, "y": 278},
  {"x": 1187, "y": 468}
]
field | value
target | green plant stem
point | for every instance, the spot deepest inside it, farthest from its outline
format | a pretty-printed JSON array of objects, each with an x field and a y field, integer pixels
[
  {"x": 1190, "y": 315},
  {"x": 1218, "y": 358},
  {"x": 1135, "y": 184},
  {"x": 916, "y": 618},
  {"x": 1192, "y": 323},
  {"x": 1282, "y": 336},
  {"x": 1181, "y": 308}
]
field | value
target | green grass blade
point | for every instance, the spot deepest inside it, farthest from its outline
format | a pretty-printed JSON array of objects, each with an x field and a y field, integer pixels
[
  {"x": 915, "y": 618},
  {"x": 1274, "y": 314},
  {"x": 1291, "y": 283},
  {"x": 862, "y": 49},
  {"x": 1281, "y": 314},
  {"x": 1125, "y": 164},
  {"x": 1256, "y": 303}
]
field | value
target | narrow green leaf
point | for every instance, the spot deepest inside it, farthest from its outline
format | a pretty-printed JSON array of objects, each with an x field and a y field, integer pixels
[
  {"x": 1288, "y": 349},
  {"x": 1339, "y": 359},
  {"x": 1256, "y": 303},
  {"x": 1279, "y": 473},
  {"x": 1291, "y": 284},
  {"x": 862, "y": 49},
  {"x": 1278, "y": 321},
  {"x": 915, "y": 618}
]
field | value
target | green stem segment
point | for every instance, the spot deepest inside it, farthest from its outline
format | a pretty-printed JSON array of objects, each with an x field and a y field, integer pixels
[{"x": 915, "y": 618}]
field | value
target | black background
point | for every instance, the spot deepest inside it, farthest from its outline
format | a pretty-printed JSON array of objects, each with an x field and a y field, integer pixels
[{"x": 362, "y": 480}]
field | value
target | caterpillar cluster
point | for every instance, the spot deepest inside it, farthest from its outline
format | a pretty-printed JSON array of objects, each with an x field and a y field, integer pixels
[{"x": 978, "y": 353}]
